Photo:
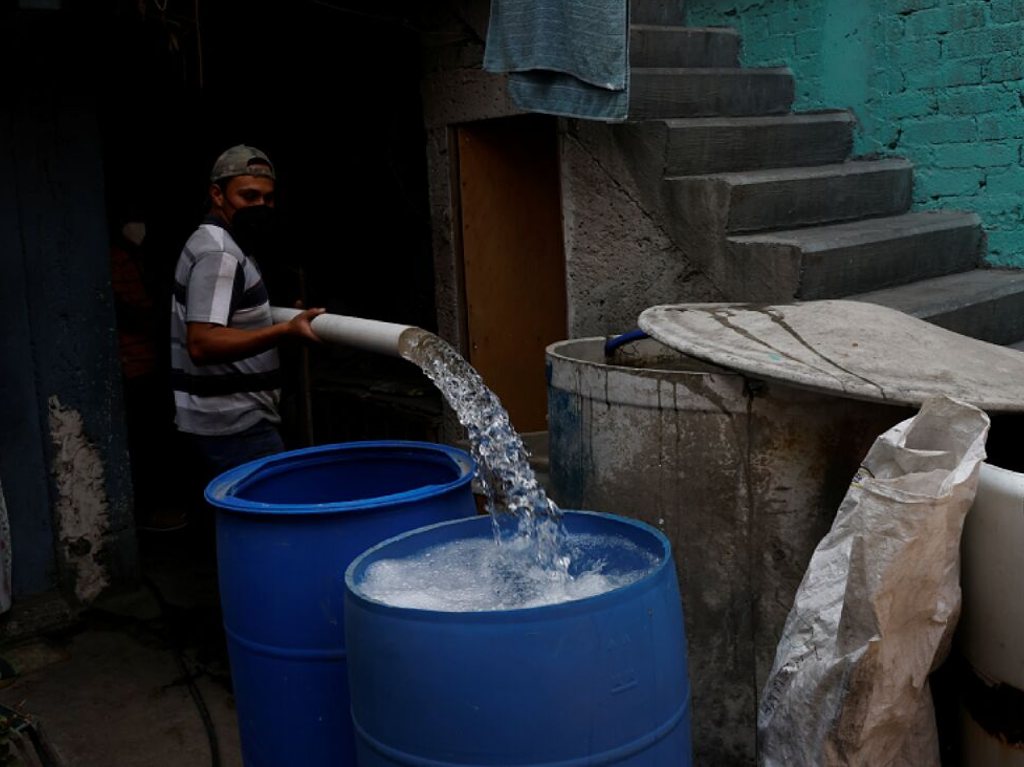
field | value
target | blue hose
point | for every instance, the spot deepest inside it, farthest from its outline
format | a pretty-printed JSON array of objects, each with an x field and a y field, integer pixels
[{"x": 614, "y": 343}]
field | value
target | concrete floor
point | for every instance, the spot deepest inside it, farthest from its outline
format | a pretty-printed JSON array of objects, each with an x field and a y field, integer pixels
[{"x": 111, "y": 691}]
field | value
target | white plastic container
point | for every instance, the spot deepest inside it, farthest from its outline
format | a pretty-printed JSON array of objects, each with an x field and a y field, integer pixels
[{"x": 991, "y": 631}]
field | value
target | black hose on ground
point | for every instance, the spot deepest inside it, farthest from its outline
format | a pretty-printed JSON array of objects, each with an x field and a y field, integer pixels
[{"x": 190, "y": 682}]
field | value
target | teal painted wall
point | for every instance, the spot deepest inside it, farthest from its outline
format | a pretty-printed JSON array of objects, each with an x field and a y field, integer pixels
[{"x": 940, "y": 82}]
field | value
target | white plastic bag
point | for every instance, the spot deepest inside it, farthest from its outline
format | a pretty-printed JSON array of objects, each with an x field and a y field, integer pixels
[{"x": 878, "y": 604}]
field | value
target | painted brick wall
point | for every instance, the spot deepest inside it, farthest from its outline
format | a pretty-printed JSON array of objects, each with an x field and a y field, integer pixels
[{"x": 940, "y": 82}]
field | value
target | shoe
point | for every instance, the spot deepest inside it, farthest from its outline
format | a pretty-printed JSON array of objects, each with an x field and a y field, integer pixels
[{"x": 163, "y": 521}]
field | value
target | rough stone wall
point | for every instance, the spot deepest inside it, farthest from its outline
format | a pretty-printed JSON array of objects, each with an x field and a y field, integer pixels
[
  {"x": 619, "y": 258},
  {"x": 940, "y": 82}
]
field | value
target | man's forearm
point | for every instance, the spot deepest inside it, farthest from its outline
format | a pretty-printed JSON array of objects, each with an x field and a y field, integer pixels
[{"x": 210, "y": 344}]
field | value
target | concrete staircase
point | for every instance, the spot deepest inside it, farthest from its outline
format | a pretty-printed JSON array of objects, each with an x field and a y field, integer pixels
[{"x": 770, "y": 203}]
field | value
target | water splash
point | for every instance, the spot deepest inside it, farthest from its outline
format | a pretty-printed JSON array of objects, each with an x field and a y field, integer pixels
[{"x": 526, "y": 522}]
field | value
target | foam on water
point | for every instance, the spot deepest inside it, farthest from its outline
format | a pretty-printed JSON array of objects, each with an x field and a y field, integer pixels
[{"x": 478, "y": 575}]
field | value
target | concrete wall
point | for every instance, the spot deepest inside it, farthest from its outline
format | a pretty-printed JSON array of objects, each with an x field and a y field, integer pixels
[
  {"x": 619, "y": 260},
  {"x": 63, "y": 460},
  {"x": 940, "y": 82},
  {"x": 455, "y": 89}
]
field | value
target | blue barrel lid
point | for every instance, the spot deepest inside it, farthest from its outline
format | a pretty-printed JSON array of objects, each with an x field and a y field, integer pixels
[{"x": 224, "y": 490}]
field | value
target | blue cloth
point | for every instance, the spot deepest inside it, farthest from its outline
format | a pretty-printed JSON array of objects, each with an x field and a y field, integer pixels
[{"x": 564, "y": 57}]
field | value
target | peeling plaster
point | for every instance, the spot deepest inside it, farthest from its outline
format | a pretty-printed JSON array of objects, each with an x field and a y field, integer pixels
[{"x": 81, "y": 508}]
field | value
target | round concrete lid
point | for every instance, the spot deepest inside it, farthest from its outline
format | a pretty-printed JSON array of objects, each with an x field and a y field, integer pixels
[{"x": 847, "y": 348}]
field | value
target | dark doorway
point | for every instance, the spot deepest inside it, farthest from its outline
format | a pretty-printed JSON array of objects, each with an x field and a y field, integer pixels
[{"x": 330, "y": 90}]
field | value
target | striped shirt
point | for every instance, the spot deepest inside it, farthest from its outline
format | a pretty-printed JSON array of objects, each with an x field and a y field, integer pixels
[{"x": 216, "y": 282}]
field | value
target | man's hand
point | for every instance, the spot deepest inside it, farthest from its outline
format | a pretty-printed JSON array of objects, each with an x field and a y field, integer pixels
[{"x": 300, "y": 324}]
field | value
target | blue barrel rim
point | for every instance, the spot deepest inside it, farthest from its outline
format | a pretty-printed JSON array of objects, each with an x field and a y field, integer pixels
[
  {"x": 519, "y": 614},
  {"x": 220, "y": 492}
]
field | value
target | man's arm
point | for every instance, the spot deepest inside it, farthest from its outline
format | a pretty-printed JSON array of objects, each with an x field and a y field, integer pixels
[{"x": 209, "y": 343}]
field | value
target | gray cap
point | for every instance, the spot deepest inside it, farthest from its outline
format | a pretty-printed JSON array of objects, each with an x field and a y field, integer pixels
[{"x": 242, "y": 160}]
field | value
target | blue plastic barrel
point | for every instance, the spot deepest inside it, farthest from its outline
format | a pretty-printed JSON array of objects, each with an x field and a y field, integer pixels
[
  {"x": 287, "y": 527},
  {"x": 597, "y": 681}
]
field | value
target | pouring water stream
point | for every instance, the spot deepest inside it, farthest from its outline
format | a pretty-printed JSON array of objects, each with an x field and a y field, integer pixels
[
  {"x": 534, "y": 562},
  {"x": 522, "y": 514}
]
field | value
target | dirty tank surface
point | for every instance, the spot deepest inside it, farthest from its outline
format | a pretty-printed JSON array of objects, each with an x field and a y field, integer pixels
[
  {"x": 743, "y": 475},
  {"x": 847, "y": 349}
]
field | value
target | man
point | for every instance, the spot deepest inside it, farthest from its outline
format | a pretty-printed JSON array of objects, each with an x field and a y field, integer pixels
[{"x": 224, "y": 361}]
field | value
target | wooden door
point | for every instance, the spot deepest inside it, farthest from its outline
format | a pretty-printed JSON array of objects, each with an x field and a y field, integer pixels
[{"x": 511, "y": 227}]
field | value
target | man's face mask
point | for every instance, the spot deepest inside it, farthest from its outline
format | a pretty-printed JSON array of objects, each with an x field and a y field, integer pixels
[{"x": 255, "y": 229}]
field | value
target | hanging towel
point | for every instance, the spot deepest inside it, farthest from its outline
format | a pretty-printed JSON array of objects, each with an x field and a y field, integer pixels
[{"x": 564, "y": 57}]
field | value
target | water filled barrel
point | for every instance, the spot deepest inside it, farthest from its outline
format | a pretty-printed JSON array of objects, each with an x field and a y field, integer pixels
[
  {"x": 596, "y": 681},
  {"x": 287, "y": 527}
]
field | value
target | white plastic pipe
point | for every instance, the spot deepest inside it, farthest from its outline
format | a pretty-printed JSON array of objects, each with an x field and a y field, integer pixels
[{"x": 359, "y": 333}]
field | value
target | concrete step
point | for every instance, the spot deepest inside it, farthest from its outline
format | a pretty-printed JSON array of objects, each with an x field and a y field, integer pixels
[
  {"x": 982, "y": 303},
  {"x": 668, "y": 12},
  {"x": 843, "y": 259},
  {"x": 664, "y": 92},
  {"x": 782, "y": 198},
  {"x": 659, "y": 46},
  {"x": 722, "y": 144}
]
